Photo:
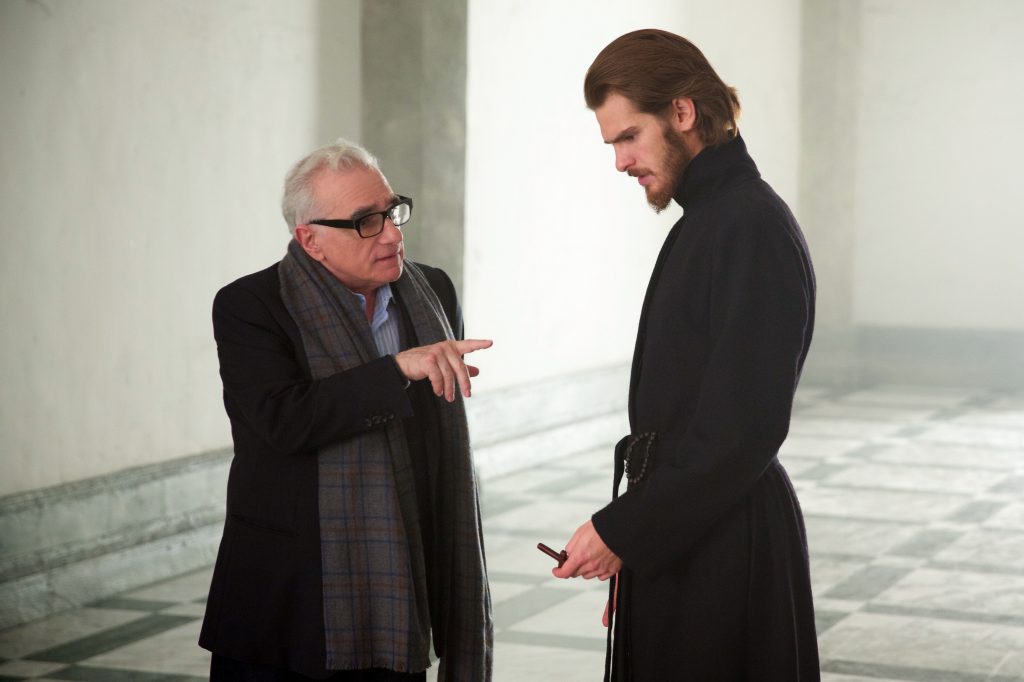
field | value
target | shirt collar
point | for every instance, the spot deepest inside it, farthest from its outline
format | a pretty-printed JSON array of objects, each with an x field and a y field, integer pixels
[{"x": 380, "y": 308}]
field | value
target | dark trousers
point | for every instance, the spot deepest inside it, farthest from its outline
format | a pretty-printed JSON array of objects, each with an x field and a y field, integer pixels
[{"x": 229, "y": 670}]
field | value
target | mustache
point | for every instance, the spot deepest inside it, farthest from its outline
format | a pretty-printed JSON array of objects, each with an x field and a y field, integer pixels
[{"x": 637, "y": 172}]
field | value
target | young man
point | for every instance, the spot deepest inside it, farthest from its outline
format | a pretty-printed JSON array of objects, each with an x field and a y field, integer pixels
[
  {"x": 352, "y": 537},
  {"x": 708, "y": 540}
]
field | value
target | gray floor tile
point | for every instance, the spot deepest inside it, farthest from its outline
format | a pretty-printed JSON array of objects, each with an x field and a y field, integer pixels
[
  {"x": 1010, "y": 486},
  {"x": 927, "y": 543},
  {"x": 825, "y": 471},
  {"x": 867, "y": 583},
  {"x": 823, "y": 619},
  {"x": 912, "y": 499},
  {"x": 19, "y": 642},
  {"x": 173, "y": 651},
  {"x": 913, "y": 396},
  {"x": 503, "y": 591},
  {"x": 512, "y": 577},
  {"x": 827, "y": 676},
  {"x": 563, "y": 641},
  {"x": 994, "y": 549},
  {"x": 580, "y": 614},
  {"x": 192, "y": 609},
  {"x": 568, "y": 484},
  {"x": 908, "y": 643},
  {"x": 959, "y": 591},
  {"x": 1010, "y": 516},
  {"x": 875, "y": 671},
  {"x": 843, "y": 428},
  {"x": 515, "y": 483},
  {"x": 27, "y": 669},
  {"x": 835, "y": 535},
  {"x": 904, "y": 415},
  {"x": 818, "y": 447},
  {"x": 91, "y": 674},
  {"x": 106, "y": 640},
  {"x": 975, "y": 436},
  {"x": 945, "y": 614},
  {"x": 795, "y": 465},
  {"x": 127, "y": 604},
  {"x": 565, "y": 659},
  {"x": 522, "y": 606},
  {"x": 188, "y": 587},
  {"x": 946, "y": 455},
  {"x": 828, "y": 571},
  {"x": 977, "y": 511},
  {"x": 993, "y": 417},
  {"x": 915, "y": 478},
  {"x": 553, "y": 514},
  {"x": 493, "y": 505},
  {"x": 869, "y": 503}
]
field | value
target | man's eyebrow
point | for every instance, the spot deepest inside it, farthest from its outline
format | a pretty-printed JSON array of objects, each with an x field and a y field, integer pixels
[
  {"x": 361, "y": 211},
  {"x": 628, "y": 132},
  {"x": 372, "y": 208}
]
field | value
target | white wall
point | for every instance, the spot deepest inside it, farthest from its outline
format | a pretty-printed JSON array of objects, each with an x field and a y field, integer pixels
[
  {"x": 140, "y": 168},
  {"x": 143, "y": 149},
  {"x": 938, "y": 214},
  {"x": 559, "y": 247}
]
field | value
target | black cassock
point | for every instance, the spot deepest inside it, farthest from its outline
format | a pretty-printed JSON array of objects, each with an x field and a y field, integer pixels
[{"x": 715, "y": 582}]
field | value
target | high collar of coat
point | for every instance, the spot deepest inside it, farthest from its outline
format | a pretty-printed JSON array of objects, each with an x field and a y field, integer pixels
[{"x": 713, "y": 170}]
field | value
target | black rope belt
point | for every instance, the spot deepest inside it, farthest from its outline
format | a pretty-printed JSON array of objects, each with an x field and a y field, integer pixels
[{"x": 633, "y": 456}]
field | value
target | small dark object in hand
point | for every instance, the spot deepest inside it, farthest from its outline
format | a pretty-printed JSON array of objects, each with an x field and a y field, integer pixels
[{"x": 560, "y": 557}]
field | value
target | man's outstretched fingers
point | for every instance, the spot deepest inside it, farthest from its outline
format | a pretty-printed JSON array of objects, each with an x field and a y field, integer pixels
[
  {"x": 434, "y": 375},
  {"x": 455, "y": 372},
  {"x": 464, "y": 370},
  {"x": 442, "y": 364},
  {"x": 470, "y": 345},
  {"x": 464, "y": 375}
]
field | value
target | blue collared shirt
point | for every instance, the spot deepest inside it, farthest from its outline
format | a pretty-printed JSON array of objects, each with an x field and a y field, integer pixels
[{"x": 384, "y": 325}]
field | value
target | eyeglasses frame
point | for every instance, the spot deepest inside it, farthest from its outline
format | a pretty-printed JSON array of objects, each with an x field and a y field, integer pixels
[{"x": 353, "y": 224}]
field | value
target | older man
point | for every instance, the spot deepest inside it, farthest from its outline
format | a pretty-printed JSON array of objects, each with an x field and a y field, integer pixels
[
  {"x": 708, "y": 538},
  {"x": 352, "y": 537}
]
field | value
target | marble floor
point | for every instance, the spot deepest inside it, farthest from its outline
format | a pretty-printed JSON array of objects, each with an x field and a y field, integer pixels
[{"x": 914, "y": 501}]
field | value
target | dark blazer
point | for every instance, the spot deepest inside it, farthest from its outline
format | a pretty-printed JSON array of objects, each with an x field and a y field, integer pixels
[
  {"x": 265, "y": 604},
  {"x": 716, "y": 582}
]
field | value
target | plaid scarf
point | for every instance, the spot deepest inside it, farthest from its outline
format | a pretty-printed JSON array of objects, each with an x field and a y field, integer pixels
[{"x": 375, "y": 588}]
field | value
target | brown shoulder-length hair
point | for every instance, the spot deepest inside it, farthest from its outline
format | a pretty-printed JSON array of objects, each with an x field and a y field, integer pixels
[{"x": 651, "y": 68}]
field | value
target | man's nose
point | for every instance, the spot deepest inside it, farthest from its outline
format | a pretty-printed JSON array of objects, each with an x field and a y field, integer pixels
[
  {"x": 391, "y": 232},
  {"x": 622, "y": 161}
]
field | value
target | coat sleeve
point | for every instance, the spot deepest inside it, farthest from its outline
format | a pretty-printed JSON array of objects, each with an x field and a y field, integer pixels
[
  {"x": 759, "y": 325},
  {"x": 267, "y": 390}
]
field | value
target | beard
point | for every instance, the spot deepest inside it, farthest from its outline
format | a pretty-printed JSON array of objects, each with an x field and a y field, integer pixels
[{"x": 677, "y": 158}]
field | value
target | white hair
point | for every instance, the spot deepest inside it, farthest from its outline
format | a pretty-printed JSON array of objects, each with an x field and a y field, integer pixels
[{"x": 298, "y": 203}]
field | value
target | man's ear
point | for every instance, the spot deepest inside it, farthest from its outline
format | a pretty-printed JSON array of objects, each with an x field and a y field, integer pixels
[
  {"x": 306, "y": 238},
  {"x": 683, "y": 115}
]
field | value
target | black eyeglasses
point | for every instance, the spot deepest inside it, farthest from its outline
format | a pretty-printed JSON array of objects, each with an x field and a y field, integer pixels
[{"x": 372, "y": 224}]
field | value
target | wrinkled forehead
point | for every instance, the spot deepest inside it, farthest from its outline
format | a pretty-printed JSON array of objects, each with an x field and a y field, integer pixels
[{"x": 345, "y": 192}]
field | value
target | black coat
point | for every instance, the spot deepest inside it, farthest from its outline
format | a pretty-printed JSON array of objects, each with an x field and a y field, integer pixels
[
  {"x": 715, "y": 584},
  {"x": 266, "y": 602}
]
